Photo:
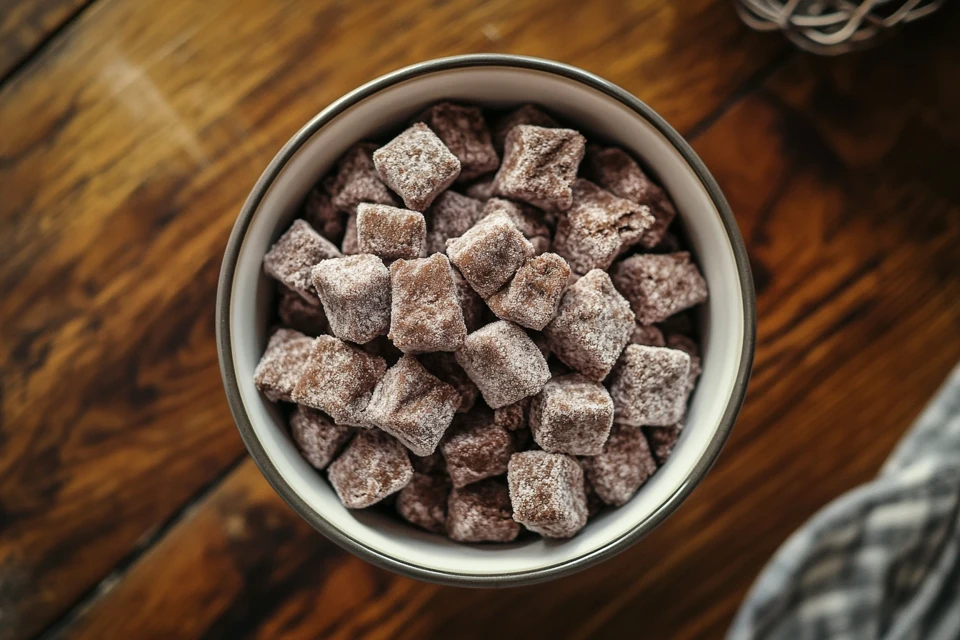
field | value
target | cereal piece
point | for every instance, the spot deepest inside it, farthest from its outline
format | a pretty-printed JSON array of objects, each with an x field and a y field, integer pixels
[
  {"x": 513, "y": 417},
  {"x": 413, "y": 406},
  {"x": 426, "y": 313},
  {"x": 618, "y": 173},
  {"x": 687, "y": 345},
  {"x": 622, "y": 467},
  {"x": 451, "y": 215},
  {"x": 571, "y": 415},
  {"x": 417, "y": 165},
  {"x": 504, "y": 363},
  {"x": 444, "y": 366},
  {"x": 471, "y": 304},
  {"x": 373, "y": 466},
  {"x": 659, "y": 286},
  {"x": 339, "y": 379},
  {"x": 423, "y": 502},
  {"x": 464, "y": 131},
  {"x": 351, "y": 244},
  {"x": 527, "y": 114},
  {"x": 533, "y": 295},
  {"x": 546, "y": 491},
  {"x": 663, "y": 440},
  {"x": 320, "y": 212},
  {"x": 529, "y": 220},
  {"x": 283, "y": 361},
  {"x": 647, "y": 334},
  {"x": 482, "y": 189},
  {"x": 598, "y": 226},
  {"x": 489, "y": 253},
  {"x": 297, "y": 313},
  {"x": 355, "y": 292},
  {"x": 591, "y": 327},
  {"x": 356, "y": 180},
  {"x": 650, "y": 386},
  {"x": 539, "y": 166},
  {"x": 481, "y": 512},
  {"x": 317, "y": 437},
  {"x": 292, "y": 257},
  {"x": 476, "y": 448},
  {"x": 432, "y": 464},
  {"x": 390, "y": 232}
]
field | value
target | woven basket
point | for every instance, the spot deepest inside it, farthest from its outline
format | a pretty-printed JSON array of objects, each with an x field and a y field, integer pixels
[{"x": 832, "y": 27}]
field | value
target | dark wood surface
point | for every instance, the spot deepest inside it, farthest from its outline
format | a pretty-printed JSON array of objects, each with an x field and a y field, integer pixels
[{"x": 127, "y": 505}]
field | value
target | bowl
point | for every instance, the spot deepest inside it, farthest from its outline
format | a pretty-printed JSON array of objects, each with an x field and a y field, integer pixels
[{"x": 602, "y": 111}]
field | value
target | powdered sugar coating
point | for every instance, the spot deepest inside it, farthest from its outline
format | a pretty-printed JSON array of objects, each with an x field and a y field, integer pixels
[
  {"x": 527, "y": 114},
  {"x": 647, "y": 334},
  {"x": 444, "y": 366},
  {"x": 417, "y": 165},
  {"x": 476, "y": 448},
  {"x": 356, "y": 180},
  {"x": 389, "y": 232},
  {"x": 283, "y": 361},
  {"x": 489, "y": 253},
  {"x": 592, "y": 326},
  {"x": 320, "y": 212},
  {"x": 573, "y": 415},
  {"x": 351, "y": 243},
  {"x": 531, "y": 298},
  {"x": 649, "y": 386},
  {"x": 659, "y": 286},
  {"x": 614, "y": 170},
  {"x": 464, "y": 131},
  {"x": 297, "y": 313},
  {"x": 529, "y": 220},
  {"x": 539, "y": 166},
  {"x": 355, "y": 292},
  {"x": 662, "y": 441},
  {"x": 339, "y": 379},
  {"x": 504, "y": 363},
  {"x": 598, "y": 226},
  {"x": 622, "y": 467},
  {"x": 292, "y": 257},
  {"x": 471, "y": 303},
  {"x": 481, "y": 512},
  {"x": 513, "y": 417},
  {"x": 413, "y": 406},
  {"x": 372, "y": 467},
  {"x": 450, "y": 216},
  {"x": 546, "y": 491},
  {"x": 426, "y": 313},
  {"x": 317, "y": 437},
  {"x": 423, "y": 502}
]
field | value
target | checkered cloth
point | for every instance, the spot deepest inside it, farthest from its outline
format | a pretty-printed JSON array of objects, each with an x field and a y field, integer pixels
[{"x": 881, "y": 562}]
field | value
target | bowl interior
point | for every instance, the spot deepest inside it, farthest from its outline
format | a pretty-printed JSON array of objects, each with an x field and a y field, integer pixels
[{"x": 597, "y": 115}]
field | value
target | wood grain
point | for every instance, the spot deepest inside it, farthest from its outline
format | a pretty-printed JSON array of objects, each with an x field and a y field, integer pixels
[
  {"x": 26, "y": 24},
  {"x": 848, "y": 201},
  {"x": 139, "y": 133}
]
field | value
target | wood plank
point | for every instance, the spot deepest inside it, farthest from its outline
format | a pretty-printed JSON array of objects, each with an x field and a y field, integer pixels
[
  {"x": 139, "y": 134},
  {"x": 27, "y": 24},
  {"x": 852, "y": 215}
]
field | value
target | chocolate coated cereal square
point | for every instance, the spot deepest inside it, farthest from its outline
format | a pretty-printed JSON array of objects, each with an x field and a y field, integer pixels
[
  {"x": 317, "y": 437},
  {"x": 539, "y": 166},
  {"x": 659, "y": 285},
  {"x": 291, "y": 259},
  {"x": 622, "y": 467},
  {"x": 417, "y": 165},
  {"x": 355, "y": 292},
  {"x": 356, "y": 180},
  {"x": 389, "y": 232},
  {"x": 650, "y": 386},
  {"x": 476, "y": 448},
  {"x": 373, "y": 466},
  {"x": 283, "y": 361},
  {"x": 480, "y": 512},
  {"x": 423, "y": 501},
  {"x": 489, "y": 253},
  {"x": 533, "y": 295},
  {"x": 572, "y": 414},
  {"x": 464, "y": 131},
  {"x": 426, "y": 313},
  {"x": 504, "y": 363},
  {"x": 546, "y": 491}
]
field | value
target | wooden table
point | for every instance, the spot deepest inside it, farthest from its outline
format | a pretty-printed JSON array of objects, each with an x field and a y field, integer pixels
[{"x": 130, "y": 134}]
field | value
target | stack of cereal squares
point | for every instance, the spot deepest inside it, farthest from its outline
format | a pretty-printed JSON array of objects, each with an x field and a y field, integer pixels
[{"x": 487, "y": 319}]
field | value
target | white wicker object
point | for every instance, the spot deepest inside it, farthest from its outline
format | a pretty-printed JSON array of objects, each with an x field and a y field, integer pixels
[{"x": 832, "y": 27}]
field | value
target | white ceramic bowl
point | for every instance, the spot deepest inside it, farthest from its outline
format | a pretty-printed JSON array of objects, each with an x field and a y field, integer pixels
[{"x": 603, "y": 112}]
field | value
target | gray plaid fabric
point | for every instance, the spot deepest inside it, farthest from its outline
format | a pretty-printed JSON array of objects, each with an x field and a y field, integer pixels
[{"x": 881, "y": 561}]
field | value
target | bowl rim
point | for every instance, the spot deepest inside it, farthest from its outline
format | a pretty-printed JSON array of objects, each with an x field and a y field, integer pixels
[{"x": 225, "y": 351}]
